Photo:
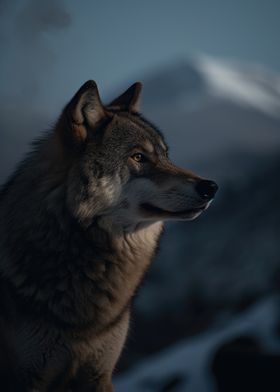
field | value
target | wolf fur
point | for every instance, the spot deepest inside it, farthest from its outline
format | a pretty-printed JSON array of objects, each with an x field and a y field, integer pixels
[{"x": 80, "y": 221}]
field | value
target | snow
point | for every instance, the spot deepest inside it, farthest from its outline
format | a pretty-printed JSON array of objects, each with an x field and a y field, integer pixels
[
  {"x": 220, "y": 120},
  {"x": 251, "y": 85},
  {"x": 190, "y": 359},
  {"x": 213, "y": 111}
]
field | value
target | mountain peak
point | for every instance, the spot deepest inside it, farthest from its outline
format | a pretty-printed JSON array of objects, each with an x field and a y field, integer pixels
[{"x": 205, "y": 77}]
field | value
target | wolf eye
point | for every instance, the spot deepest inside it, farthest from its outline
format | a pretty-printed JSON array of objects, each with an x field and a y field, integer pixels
[{"x": 138, "y": 157}]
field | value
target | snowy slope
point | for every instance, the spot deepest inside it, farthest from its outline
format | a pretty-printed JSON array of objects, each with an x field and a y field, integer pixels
[
  {"x": 221, "y": 119},
  {"x": 244, "y": 84},
  {"x": 187, "y": 364},
  {"x": 211, "y": 109}
]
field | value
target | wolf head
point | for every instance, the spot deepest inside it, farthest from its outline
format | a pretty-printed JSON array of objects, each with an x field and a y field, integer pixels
[{"x": 120, "y": 170}]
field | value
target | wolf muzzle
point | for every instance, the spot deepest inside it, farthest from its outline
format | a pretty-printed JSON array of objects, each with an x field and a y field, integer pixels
[{"x": 206, "y": 189}]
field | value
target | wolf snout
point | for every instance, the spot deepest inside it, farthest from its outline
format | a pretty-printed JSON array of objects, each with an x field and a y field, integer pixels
[{"x": 206, "y": 189}]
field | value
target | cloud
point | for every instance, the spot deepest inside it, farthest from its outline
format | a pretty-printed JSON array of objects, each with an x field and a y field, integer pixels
[
  {"x": 28, "y": 59},
  {"x": 25, "y": 31},
  {"x": 38, "y": 17}
]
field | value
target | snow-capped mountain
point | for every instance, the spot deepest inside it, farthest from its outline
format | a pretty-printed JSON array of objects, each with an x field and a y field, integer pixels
[
  {"x": 222, "y": 120},
  {"x": 205, "y": 78},
  {"x": 243, "y": 84},
  {"x": 208, "y": 107}
]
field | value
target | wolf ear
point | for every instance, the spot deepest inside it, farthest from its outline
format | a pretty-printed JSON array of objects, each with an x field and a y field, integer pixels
[
  {"x": 129, "y": 100},
  {"x": 84, "y": 110}
]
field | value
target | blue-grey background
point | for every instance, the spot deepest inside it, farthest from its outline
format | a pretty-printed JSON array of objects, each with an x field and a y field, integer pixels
[
  {"x": 49, "y": 48},
  {"x": 211, "y": 77}
]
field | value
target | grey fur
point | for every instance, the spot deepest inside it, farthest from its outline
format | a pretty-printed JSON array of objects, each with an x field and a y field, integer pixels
[{"x": 76, "y": 240}]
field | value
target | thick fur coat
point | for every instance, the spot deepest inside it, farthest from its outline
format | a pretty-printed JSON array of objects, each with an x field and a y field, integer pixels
[{"x": 80, "y": 221}]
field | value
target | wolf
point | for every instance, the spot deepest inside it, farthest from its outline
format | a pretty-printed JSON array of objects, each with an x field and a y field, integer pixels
[{"x": 80, "y": 222}]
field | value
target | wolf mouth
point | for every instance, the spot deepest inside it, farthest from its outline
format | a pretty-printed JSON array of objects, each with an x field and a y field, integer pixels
[{"x": 153, "y": 210}]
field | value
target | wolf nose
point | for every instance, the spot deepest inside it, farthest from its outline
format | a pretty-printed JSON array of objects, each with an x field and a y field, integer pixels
[{"x": 206, "y": 189}]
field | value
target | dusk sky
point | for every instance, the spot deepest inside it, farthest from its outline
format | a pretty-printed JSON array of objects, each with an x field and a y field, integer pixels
[{"x": 51, "y": 47}]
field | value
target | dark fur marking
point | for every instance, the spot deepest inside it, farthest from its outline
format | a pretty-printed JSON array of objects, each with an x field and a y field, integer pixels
[{"x": 67, "y": 283}]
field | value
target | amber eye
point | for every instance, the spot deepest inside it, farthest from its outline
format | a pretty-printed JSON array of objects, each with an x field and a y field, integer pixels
[{"x": 138, "y": 157}]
